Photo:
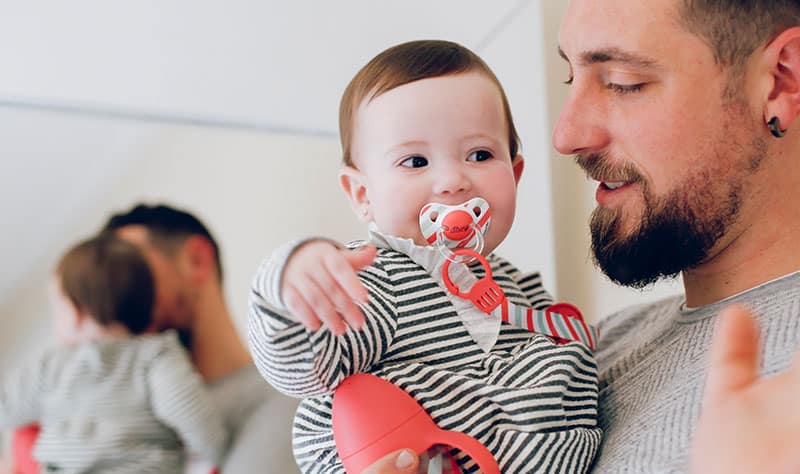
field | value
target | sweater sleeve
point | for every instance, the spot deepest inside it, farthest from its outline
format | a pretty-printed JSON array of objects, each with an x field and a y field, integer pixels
[
  {"x": 180, "y": 400},
  {"x": 304, "y": 363}
]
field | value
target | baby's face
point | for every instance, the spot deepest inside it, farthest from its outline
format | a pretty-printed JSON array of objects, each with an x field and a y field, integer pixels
[
  {"x": 65, "y": 315},
  {"x": 443, "y": 139}
]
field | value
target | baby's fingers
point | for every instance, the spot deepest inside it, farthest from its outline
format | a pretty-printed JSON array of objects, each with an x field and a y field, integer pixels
[
  {"x": 345, "y": 289},
  {"x": 295, "y": 302},
  {"x": 337, "y": 301}
]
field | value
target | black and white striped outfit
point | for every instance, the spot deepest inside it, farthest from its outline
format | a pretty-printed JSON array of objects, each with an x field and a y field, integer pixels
[
  {"x": 531, "y": 402},
  {"x": 115, "y": 406}
]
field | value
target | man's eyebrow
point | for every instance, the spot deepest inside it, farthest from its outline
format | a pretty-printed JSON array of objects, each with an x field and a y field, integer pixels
[{"x": 615, "y": 55}]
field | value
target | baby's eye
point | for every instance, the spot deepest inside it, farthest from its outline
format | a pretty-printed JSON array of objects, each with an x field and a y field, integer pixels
[
  {"x": 415, "y": 162},
  {"x": 479, "y": 155}
]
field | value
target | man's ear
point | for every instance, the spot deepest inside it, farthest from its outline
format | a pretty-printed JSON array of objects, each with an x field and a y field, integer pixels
[
  {"x": 519, "y": 165},
  {"x": 781, "y": 61},
  {"x": 198, "y": 258},
  {"x": 353, "y": 185}
]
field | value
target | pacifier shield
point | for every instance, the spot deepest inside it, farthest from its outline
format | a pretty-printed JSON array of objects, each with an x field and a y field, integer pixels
[{"x": 459, "y": 226}]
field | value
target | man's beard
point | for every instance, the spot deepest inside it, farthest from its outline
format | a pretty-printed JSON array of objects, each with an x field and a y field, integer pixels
[
  {"x": 678, "y": 231},
  {"x": 674, "y": 235}
]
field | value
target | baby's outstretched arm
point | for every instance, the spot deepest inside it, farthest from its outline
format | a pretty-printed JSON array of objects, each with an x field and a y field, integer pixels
[
  {"x": 299, "y": 289},
  {"x": 320, "y": 285}
]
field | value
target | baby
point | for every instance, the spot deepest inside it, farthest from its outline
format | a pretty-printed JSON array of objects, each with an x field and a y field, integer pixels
[
  {"x": 110, "y": 399},
  {"x": 427, "y": 134}
]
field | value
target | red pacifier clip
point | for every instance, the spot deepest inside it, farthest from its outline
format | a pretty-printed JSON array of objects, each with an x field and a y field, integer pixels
[
  {"x": 561, "y": 321},
  {"x": 486, "y": 294}
]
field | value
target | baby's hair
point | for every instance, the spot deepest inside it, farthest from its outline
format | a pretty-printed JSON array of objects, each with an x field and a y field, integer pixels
[
  {"x": 109, "y": 280},
  {"x": 406, "y": 63}
]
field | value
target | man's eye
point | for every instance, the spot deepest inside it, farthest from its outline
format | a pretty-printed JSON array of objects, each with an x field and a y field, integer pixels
[
  {"x": 480, "y": 155},
  {"x": 624, "y": 88},
  {"x": 568, "y": 81},
  {"x": 415, "y": 162}
]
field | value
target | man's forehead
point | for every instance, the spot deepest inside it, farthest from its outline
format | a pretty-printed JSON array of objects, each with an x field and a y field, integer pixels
[
  {"x": 636, "y": 28},
  {"x": 135, "y": 234}
]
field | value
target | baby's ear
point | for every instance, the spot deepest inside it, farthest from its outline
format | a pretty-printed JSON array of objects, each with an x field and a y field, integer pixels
[
  {"x": 353, "y": 185},
  {"x": 518, "y": 164}
]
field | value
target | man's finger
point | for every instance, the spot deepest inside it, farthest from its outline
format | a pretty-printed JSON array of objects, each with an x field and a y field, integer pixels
[
  {"x": 734, "y": 353},
  {"x": 399, "y": 462}
]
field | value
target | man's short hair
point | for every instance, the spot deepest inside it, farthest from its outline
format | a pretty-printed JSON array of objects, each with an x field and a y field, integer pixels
[
  {"x": 166, "y": 225},
  {"x": 736, "y": 28},
  {"x": 108, "y": 279}
]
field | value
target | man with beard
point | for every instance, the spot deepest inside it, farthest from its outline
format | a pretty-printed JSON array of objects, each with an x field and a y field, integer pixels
[
  {"x": 186, "y": 265},
  {"x": 684, "y": 111}
]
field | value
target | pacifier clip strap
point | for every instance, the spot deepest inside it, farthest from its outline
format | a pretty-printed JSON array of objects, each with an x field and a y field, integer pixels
[{"x": 562, "y": 321}]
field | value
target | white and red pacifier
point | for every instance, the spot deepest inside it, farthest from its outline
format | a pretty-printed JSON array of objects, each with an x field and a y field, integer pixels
[{"x": 456, "y": 227}]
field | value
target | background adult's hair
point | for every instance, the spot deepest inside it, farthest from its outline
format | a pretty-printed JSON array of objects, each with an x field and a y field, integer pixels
[
  {"x": 110, "y": 281},
  {"x": 167, "y": 226},
  {"x": 736, "y": 28},
  {"x": 406, "y": 63}
]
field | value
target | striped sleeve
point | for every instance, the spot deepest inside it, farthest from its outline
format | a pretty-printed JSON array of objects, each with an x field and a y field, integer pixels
[
  {"x": 303, "y": 363},
  {"x": 180, "y": 400},
  {"x": 529, "y": 284}
]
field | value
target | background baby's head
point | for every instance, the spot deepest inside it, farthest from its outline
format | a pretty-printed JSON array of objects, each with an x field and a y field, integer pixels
[{"x": 102, "y": 282}]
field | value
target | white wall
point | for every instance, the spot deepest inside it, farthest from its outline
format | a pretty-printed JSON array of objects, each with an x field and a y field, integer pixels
[{"x": 254, "y": 190}]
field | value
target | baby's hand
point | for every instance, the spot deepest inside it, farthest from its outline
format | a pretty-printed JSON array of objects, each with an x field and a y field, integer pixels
[{"x": 320, "y": 285}]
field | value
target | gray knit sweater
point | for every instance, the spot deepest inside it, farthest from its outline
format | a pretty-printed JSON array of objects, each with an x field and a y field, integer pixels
[{"x": 652, "y": 362}]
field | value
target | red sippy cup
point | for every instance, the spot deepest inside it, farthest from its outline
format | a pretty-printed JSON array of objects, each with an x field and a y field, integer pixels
[{"x": 372, "y": 418}]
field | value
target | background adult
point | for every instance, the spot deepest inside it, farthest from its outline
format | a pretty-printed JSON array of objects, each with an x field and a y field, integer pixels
[{"x": 188, "y": 273}]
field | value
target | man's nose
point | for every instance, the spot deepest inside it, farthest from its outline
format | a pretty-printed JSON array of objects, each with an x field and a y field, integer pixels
[{"x": 582, "y": 125}]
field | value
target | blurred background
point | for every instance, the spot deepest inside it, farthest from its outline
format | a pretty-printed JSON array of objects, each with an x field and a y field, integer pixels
[{"x": 229, "y": 109}]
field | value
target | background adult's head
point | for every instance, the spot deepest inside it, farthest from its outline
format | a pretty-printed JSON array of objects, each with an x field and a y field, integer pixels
[
  {"x": 668, "y": 109},
  {"x": 182, "y": 254}
]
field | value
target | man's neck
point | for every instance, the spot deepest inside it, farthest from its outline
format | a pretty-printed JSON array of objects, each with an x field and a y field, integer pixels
[
  {"x": 764, "y": 251},
  {"x": 217, "y": 349}
]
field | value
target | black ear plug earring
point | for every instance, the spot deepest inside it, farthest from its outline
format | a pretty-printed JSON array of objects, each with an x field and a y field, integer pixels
[{"x": 775, "y": 129}]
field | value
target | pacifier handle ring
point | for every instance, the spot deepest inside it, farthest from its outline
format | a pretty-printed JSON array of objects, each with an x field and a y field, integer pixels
[{"x": 446, "y": 270}]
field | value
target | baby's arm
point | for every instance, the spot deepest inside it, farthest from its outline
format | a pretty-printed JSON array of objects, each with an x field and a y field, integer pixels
[
  {"x": 179, "y": 399},
  {"x": 318, "y": 281},
  {"x": 531, "y": 286},
  {"x": 20, "y": 396}
]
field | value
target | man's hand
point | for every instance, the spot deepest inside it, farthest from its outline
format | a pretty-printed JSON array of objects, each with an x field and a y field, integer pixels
[
  {"x": 404, "y": 461},
  {"x": 320, "y": 285},
  {"x": 747, "y": 424}
]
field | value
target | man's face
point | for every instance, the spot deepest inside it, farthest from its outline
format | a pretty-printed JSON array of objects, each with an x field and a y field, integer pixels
[
  {"x": 173, "y": 303},
  {"x": 651, "y": 116}
]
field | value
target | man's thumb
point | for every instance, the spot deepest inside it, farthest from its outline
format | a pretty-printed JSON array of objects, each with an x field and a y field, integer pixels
[{"x": 734, "y": 353}]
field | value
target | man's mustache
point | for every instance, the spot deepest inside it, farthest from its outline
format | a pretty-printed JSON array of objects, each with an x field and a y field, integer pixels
[{"x": 598, "y": 167}]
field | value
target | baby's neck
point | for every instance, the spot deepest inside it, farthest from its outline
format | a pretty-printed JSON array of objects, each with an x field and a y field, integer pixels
[{"x": 90, "y": 330}]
